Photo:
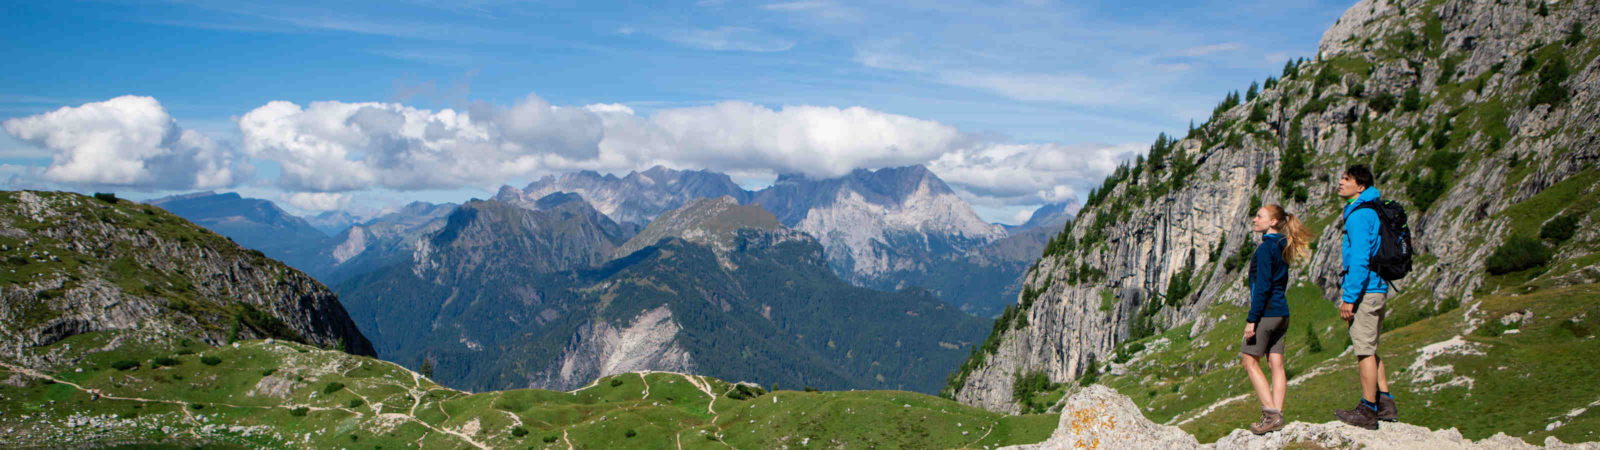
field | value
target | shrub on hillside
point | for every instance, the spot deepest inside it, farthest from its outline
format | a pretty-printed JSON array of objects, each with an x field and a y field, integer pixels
[
  {"x": 210, "y": 360},
  {"x": 125, "y": 364},
  {"x": 332, "y": 387},
  {"x": 745, "y": 392},
  {"x": 1551, "y": 76},
  {"x": 165, "y": 361},
  {"x": 299, "y": 412},
  {"x": 1383, "y": 102},
  {"x": 1411, "y": 101},
  {"x": 1023, "y": 386},
  {"x": 106, "y": 197},
  {"x": 1312, "y": 340},
  {"x": 519, "y": 431},
  {"x": 1516, "y": 254},
  {"x": 1560, "y": 229}
]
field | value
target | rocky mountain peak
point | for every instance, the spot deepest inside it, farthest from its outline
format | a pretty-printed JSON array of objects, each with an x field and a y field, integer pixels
[
  {"x": 713, "y": 222},
  {"x": 1053, "y": 214}
]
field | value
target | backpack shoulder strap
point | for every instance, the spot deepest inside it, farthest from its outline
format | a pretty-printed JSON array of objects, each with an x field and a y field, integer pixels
[{"x": 1369, "y": 204}]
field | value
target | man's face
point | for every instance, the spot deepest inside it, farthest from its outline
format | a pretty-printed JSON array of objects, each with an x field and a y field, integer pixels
[{"x": 1348, "y": 188}]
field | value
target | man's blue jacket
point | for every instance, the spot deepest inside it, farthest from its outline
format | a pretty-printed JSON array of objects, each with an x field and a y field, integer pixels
[{"x": 1360, "y": 244}]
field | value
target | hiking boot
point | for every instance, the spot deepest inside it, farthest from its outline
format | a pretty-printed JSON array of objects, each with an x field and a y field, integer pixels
[
  {"x": 1387, "y": 412},
  {"x": 1270, "y": 422},
  {"x": 1362, "y": 416}
]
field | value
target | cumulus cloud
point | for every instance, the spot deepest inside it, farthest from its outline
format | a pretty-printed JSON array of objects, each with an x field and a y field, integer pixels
[
  {"x": 127, "y": 142},
  {"x": 1030, "y": 173},
  {"x": 819, "y": 141},
  {"x": 327, "y": 150},
  {"x": 317, "y": 201},
  {"x": 336, "y": 146}
]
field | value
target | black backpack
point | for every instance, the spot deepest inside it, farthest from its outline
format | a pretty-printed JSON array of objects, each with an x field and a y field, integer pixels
[{"x": 1393, "y": 260}]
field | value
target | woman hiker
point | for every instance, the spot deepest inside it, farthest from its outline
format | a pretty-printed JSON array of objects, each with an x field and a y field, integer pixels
[{"x": 1284, "y": 240}]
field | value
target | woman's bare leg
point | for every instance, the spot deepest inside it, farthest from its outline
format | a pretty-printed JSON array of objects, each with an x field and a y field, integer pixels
[
  {"x": 1252, "y": 366},
  {"x": 1280, "y": 380}
]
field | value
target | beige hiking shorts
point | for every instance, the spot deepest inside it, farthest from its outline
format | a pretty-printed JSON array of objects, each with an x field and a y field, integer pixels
[{"x": 1368, "y": 323}]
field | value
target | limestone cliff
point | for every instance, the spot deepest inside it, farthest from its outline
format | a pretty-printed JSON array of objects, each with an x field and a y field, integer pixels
[{"x": 1467, "y": 110}]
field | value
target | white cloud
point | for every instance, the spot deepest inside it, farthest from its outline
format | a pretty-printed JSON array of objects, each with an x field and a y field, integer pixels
[
  {"x": 1030, "y": 173},
  {"x": 729, "y": 39},
  {"x": 127, "y": 142},
  {"x": 818, "y": 141},
  {"x": 317, "y": 201},
  {"x": 336, "y": 146},
  {"x": 328, "y": 151},
  {"x": 1021, "y": 216}
]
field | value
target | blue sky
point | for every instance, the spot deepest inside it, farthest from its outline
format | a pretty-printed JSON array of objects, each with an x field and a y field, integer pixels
[{"x": 1013, "y": 103}]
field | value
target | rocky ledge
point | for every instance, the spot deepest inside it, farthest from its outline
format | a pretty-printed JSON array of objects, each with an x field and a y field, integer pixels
[{"x": 1098, "y": 417}]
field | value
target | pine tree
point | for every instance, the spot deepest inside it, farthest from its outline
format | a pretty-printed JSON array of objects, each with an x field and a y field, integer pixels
[{"x": 1250, "y": 94}]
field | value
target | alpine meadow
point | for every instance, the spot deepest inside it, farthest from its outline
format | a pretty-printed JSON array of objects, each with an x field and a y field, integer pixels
[{"x": 351, "y": 226}]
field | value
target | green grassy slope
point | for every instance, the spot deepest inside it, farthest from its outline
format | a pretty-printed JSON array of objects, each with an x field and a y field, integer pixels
[
  {"x": 1523, "y": 379},
  {"x": 183, "y": 393}
]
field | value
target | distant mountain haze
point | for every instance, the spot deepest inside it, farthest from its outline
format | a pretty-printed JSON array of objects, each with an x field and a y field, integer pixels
[{"x": 887, "y": 229}]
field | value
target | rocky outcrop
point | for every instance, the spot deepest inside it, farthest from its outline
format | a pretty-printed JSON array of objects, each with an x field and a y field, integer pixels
[
  {"x": 1098, "y": 417},
  {"x": 599, "y": 349},
  {"x": 1473, "y": 145},
  {"x": 76, "y": 264},
  {"x": 383, "y": 240},
  {"x": 713, "y": 222}
]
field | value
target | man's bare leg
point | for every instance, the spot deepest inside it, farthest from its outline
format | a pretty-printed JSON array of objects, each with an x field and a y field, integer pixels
[{"x": 1368, "y": 366}]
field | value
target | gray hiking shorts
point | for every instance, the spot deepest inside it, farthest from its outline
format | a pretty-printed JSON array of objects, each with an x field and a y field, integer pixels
[{"x": 1268, "y": 338}]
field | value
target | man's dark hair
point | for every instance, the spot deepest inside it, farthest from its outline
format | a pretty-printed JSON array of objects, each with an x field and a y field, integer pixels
[{"x": 1361, "y": 174}]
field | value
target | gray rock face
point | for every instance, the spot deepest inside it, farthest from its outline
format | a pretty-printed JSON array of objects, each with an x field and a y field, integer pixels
[
  {"x": 886, "y": 229},
  {"x": 636, "y": 198},
  {"x": 1144, "y": 241},
  {"x": 129, "y": 266},
  {"x": 562, "y": 232},
  {"x": 1098, "y": 417},
  {"x": 599, "y": 349},
  {"x": 384, "y": 240},
  {"x": 710, "y": 222}
]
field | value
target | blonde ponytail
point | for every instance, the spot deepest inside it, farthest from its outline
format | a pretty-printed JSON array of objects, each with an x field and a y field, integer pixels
[{"x": 1299, "y": 246}]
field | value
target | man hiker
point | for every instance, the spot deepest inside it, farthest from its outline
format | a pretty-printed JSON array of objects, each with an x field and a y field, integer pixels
[{"x": 1363, "y": 298}]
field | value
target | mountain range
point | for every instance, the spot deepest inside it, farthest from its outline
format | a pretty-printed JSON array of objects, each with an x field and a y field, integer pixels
[{"x": 507, "y": 296}]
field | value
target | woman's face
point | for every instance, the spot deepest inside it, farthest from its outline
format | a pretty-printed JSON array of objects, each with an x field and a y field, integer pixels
[{"x": 1262, "y": 221}]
